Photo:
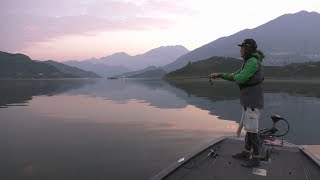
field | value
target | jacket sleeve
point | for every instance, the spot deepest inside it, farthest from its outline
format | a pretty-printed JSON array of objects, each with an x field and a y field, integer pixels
[
  {"x": 249, "y": 69},
  {"x": 229, "y": 76}
]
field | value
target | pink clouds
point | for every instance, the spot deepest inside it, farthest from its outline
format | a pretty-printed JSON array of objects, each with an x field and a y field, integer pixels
[
  {"x": 29, "y": 21},
  {"x": 171, "y": 7},
  {"x": 146, "y": 9},
  {"x": 41, "y": 7},
  {"x": 33, "y": 29},
  {"x": 111, "y": 9}
]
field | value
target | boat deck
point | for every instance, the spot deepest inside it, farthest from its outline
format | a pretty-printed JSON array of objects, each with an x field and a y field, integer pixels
[{"x": 287, "y": 162}]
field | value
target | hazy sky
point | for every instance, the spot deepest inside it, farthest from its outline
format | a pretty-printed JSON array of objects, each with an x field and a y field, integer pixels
[{"x": 79, "y": 29}]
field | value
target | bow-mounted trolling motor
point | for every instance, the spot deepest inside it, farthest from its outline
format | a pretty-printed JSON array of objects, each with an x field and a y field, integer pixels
[
  {"x": 268, "y": 136},
  {"x": 280, "y": 127}
]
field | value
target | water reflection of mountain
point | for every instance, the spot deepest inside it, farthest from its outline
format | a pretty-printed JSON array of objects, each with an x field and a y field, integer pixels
[
  {"x": 222, "y": 93},
  {"x": 19, "y": 92},
  {"x": 221, "y": 99},
  {"x": 222, "y": 90},
  {"x": 297, "y": 102},
  {"x": 307, "y": 88},
  {"x": 156, "y": 93}
]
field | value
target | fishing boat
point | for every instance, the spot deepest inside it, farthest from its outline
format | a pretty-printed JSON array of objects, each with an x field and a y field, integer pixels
[{"x": 279, "y": 160}]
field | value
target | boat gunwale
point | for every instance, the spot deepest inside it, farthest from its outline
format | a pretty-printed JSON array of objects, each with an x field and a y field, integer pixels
[
  {"x": 167, "y": 171},
  {"x": 310, "y": 155},
  {"x": 305, "y": 152}
]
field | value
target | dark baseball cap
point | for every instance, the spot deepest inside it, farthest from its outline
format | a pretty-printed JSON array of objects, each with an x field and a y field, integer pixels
[{"x": 248, "y": 43}]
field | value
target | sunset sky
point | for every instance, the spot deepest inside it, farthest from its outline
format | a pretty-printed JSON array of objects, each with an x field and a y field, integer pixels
[{"x": 81, "y": 29}]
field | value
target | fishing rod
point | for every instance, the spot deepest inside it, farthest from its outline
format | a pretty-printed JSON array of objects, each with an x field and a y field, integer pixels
[{"x": 201, "y": 77}]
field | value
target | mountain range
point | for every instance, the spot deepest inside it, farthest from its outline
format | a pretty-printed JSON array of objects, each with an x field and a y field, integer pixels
[
  {"x": 290, "y": 38},
  {"x": 118, "y": 63},
  {"x": 133, "y": 73},
  {"x": 20, "y": 66},
  {"x": 205, "y": 67},
  {"x": 72, "y": 70},
  {"x": 99, "y": 68},
  {"x": 286, "y": 39}
]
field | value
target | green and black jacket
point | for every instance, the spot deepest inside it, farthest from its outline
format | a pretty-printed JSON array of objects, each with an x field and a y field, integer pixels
[{"x": 249, "y": 78}]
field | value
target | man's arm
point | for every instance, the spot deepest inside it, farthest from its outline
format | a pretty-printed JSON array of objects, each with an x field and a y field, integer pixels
[
  {"x": 228, "y": 76},
  {"x": 249, "y": 69}
]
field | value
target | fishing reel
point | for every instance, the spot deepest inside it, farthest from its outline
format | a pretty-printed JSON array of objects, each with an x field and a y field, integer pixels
[{"x": 210, "y": 80}]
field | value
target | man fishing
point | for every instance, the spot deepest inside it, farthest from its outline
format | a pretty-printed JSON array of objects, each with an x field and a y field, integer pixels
[{"x": 249, "y": 78}]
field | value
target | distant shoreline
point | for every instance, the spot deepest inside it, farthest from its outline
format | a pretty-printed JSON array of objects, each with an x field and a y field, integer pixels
[
  {"x": 39, "y": 79},
  {"x": 267, "y": 80},
  {"x": 298, "y": 80},
  {"x": 187, "y": 79}
]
